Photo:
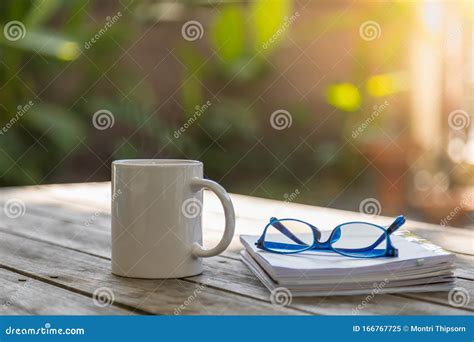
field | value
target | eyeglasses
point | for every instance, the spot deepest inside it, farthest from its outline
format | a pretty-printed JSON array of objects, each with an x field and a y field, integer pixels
[{"x": 352, "y": 239}]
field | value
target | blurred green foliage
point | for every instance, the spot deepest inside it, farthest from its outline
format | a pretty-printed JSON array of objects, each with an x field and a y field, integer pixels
[
  {"x": 56, "y": 126},
  {"x": 24, "y": 63},
  {"x": 55, "y": 138}
]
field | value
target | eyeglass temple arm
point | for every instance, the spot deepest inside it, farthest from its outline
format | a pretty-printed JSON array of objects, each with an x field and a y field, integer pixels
[
  {"x": 282, "y": 229},
  {"x": 399, "y": 221}
]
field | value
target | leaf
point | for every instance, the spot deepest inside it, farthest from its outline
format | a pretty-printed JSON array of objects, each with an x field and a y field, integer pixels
[
  {"x": 77, "y": 17},
  {"x": 191, "y": 89},
  {"x": 191, "y": 94},
  {"x": 228, "y": 33},
  {"x": 269, "y": 17},
  {"x": 192, "y": 59},
  {"x": 41, "y": 12},
  {"x": 47, "y": 44}
]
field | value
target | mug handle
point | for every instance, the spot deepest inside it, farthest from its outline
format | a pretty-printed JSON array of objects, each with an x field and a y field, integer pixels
[{"x": 197, "y": 250}]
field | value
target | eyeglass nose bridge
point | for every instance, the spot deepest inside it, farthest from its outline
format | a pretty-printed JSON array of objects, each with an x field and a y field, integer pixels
[
  {"x": 316, "y": 232},
  {"x": 335, "y": 236}
]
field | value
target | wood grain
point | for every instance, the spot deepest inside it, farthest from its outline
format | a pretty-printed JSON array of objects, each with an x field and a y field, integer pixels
[
  {"x": 22, "y": 295},
  {"x": 83, "y": 273},
  {"x": 230, "y": 275},
  {"x": 77, "y": 217},
  {"x": 252, "y": 213}
]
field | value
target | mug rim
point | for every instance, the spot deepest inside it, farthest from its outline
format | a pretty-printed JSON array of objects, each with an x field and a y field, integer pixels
[{"x": 156, "y": 162}]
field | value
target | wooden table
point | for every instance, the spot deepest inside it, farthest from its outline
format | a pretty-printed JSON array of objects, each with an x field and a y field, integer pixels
[{"x": 56, "y": 254}]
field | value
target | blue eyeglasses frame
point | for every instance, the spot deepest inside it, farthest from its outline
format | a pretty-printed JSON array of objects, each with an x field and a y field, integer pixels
[{"x": 367, "y": 252}]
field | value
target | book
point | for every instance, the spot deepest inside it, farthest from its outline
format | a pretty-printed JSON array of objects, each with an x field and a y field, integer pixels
[{"x": 420, "y": 267}]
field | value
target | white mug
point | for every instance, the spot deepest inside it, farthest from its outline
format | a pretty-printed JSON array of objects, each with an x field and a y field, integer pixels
[{"x": 156, "y": 218}]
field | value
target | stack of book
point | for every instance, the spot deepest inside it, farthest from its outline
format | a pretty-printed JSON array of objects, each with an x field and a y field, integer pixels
[{"x": 419, "y": 267}]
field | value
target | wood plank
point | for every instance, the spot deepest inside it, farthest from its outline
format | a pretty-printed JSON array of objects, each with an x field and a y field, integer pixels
[
  {"x": 86, "y": 221},
  {"x": 466, "y": 291},
  {"x": 252, "y": 213},
  {"x": 236, "y": 246},
  {"x": 62, "y": 233},
  {"x": 66, "y": 210},
  {"x": 22, "y": 295},
  {"x": 231, "y": 275},
  {"x": 465, "y": 267},
  {"x": 37, "y": 201},
  {"x": 77, "y": 234},
  {"x": 85, "y": 273}
]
